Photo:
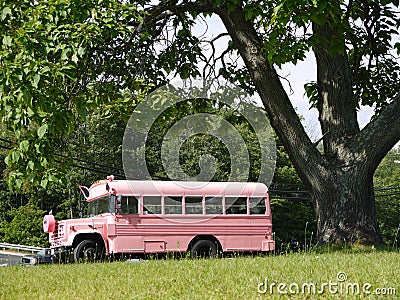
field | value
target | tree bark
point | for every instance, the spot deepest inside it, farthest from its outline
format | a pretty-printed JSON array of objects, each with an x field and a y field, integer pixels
[
  {"x": 345, "y": 206},
  {"x": 336, "y": 103}
]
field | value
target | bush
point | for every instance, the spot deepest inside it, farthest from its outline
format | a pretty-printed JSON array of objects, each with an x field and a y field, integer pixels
[
  {"x": 25, "y": 227},
  {"x": 293, "y": 221},
  {"x": 389, "y": 218}
]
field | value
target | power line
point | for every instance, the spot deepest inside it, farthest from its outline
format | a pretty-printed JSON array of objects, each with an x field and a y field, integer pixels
[
  {"x": 387, "y": 195},
  {"x": 93, "y": 169},
  {"x": 293, "y": 192},
  {"x": 5, "y": 147},
  {"x": 387, "y": 188},
  {"x": 64, "y": 156},
  {"x": 77, "y": 159}
]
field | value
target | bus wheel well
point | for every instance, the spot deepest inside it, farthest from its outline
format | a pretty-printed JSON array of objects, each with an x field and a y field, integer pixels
[
  {"x": 205, "y": 237},
  {"x": 88, "y": 236}
]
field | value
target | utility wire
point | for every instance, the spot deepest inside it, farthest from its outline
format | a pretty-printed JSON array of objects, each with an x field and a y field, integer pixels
[
  {"x": 94, "y": 169},
  {"x": 81, "y": 166},
  {"x": 73, "y": 158}
]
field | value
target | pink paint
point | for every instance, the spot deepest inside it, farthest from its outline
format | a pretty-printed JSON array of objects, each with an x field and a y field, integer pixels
[{"x": 169, "y": 216}]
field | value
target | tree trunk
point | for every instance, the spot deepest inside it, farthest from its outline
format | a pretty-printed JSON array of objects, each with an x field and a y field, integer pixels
[
  {"x": 344, "y": 194},
  {"x": 345, "y": 207}
]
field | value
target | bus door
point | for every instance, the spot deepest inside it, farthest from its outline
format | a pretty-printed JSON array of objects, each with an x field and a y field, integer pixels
[{"x": 129, "y": 232}]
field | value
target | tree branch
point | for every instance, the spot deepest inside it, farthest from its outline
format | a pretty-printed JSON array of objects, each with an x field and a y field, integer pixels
[
  {"x": 380, "y": 135},
  {"x": 283, "y": 116},
  {"x": 336, "y": 104}
]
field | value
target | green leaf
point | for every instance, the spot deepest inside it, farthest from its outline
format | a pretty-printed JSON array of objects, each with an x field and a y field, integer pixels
[
  {"x": 6, "y": 11},
  {"x": 38, "y": 151},
  {"x": 81, "y": 51},
  {"x": 18, "y": 183},
  {"x": 43, "y": 183},
  {"x": 15, "y": 155},
  {"x": 7, "y": 40},
  {"x": 42, "y": 131},
  {"x": 44, "y": 163},
  {"x": 36, "y": 80},
  {"x": 53, "y": 178},
  {"x": 74, "y": 58},
  {"x": 24, "y": 146},
  {"x": 30, "y": 112},
  {"x": 64, "y": 54},
  {"x": 17, "y": 134},
  {"x": 31, "y": 165}
]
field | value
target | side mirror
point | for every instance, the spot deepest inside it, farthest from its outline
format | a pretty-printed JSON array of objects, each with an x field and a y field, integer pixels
[{"x": 119, "y": 202}]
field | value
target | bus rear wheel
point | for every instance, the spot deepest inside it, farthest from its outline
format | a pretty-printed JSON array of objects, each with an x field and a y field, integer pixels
[
  {"x": 203, "y": 249},
  {"x": 88, "y": 251}
]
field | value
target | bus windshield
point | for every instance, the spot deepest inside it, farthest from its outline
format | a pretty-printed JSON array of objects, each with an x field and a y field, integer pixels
[{"x": 101, "y": 205}]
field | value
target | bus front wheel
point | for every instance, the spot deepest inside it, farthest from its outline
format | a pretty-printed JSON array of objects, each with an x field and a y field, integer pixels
[
  {"x": 88, "y": 251},
  {"x": 204, "y": 248}
]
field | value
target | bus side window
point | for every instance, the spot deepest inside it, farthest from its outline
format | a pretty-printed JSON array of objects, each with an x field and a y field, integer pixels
[
  {"x": 173, "y": 204},
  {"x": 257, "y": 205},
  {"x": 129, "y": 205},
  {"x": 152, "y": 204},
  {"x": 236, "y": 205},
  {"x": 194, "y": 205},
  {"x": 213, "y": 205}
]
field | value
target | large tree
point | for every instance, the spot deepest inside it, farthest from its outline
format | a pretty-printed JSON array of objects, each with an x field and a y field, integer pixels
[{"x": 59, "y": 55}]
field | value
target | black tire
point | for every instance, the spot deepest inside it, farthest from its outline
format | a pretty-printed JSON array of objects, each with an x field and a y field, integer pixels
[
  {"x": 88, "y": 251},
  {"x": 203, "y": 249}
]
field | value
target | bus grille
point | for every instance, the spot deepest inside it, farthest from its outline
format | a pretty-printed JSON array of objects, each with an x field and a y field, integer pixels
[{"x": 58, "y": 235}]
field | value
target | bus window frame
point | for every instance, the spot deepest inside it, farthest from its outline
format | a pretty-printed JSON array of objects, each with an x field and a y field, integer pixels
[
  {"x": 169, "y": 196},
  {"x": 202, "y": 203},
  {"x": 214, "y": 197},
  {"x": 142, "y": 205},
  {"x": 142, "y": 210},
  {"x": 127, "y": 196},
  {"x": 232, "y": 206}
]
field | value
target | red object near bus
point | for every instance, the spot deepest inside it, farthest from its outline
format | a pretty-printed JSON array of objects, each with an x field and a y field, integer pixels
[{"x": 203, "y": 218}]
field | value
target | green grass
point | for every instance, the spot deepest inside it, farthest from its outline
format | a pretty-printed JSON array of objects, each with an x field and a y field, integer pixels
[{"x": 226, "y": 278}]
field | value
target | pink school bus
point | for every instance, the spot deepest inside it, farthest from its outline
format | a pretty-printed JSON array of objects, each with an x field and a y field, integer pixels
[{"x": 202, "y": 218}]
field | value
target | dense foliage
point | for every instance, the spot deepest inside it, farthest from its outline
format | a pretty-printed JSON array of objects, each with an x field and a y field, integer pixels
[
  {"x": 24, "y": 227},
  {"x": 54, "y": 69},
  {"x": 387, "y": 179}
]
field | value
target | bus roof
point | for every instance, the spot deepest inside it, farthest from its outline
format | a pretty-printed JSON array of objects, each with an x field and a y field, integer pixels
[{"x": 103, "y": 188}]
